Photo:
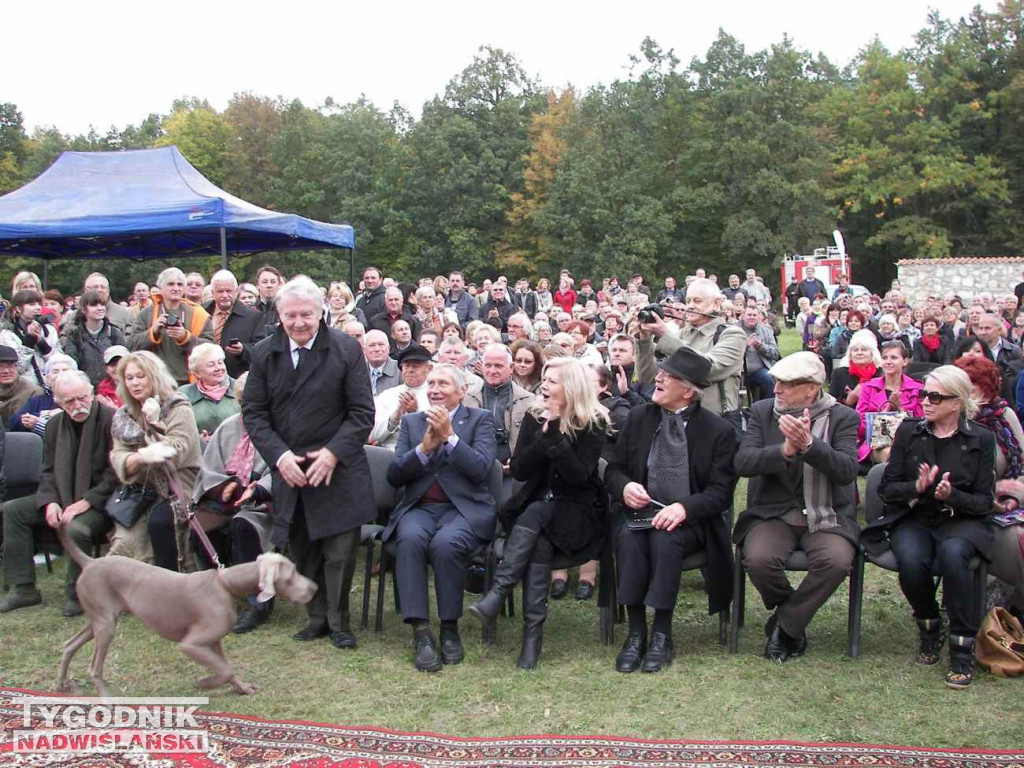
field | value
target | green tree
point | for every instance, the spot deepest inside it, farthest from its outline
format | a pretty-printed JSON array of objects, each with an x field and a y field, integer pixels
[{"x": 203, "y": 137}]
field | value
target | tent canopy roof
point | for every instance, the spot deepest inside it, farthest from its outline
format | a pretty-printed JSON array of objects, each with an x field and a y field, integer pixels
[{"x": 148, "y": 203}]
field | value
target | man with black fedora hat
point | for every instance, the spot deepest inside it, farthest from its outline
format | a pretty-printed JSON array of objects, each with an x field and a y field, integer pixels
[
  {"x": 672, "y": 497},
  {"x": 800, "y": 453},
  {"x": 408, "y": 397}
]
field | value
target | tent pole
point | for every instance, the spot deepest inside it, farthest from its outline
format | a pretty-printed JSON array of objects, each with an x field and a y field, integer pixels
[
  {"x": 223, "y": 248},
  {"x": 46, "y": 274},
  {"x": 352, "y": 268}
]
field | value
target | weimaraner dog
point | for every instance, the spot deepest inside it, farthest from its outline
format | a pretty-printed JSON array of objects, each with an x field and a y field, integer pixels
[{"x": 195, "y": 610}]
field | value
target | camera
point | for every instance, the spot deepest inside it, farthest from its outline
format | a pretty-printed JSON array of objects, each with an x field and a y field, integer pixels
[
  {"x": 646, "y": 315},
  {"x": 43, "y": 319},
  {"x": 171, "y": 320}
]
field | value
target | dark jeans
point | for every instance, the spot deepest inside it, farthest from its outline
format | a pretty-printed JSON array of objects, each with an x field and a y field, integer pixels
[
  {"x": 161, "y": 533},
  {"x": 760, "y": 385},
  {"x": 921, "y": 557}
]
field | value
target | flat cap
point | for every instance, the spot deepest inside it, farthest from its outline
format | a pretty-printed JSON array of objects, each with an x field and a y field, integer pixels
[{"x": 799, "y": 366}]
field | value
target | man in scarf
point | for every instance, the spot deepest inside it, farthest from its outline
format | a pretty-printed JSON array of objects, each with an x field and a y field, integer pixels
[
  {"x": 75, "y": 480},
  {"x": 800, "y": 453}
]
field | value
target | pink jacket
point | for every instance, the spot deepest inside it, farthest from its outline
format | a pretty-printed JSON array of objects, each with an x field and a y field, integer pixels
[{"x": 873, "y": 399}]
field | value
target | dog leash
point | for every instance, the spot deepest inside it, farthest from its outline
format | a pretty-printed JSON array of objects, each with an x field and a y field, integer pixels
[{"x": 197, "y": 528}]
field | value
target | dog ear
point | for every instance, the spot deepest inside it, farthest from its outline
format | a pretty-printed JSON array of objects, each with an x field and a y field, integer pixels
[{"x": 267, "y": 565}]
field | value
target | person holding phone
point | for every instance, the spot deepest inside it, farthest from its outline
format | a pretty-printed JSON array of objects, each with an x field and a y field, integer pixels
[{"x": 236, "y": 327}]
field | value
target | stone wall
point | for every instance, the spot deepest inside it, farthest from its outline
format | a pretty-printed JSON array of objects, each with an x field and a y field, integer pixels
[{"x": 966, "y": 277}]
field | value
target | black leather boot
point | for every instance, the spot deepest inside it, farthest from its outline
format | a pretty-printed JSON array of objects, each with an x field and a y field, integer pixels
[
  {"x": 535, "y": 610},
  {"x": 961, "y": 662},
  {"x": 518, "y": 548},
  {"x": 933, "y": 635}
]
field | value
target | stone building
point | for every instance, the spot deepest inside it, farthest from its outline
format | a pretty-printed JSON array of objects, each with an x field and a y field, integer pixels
[{"x": 964, "y": 276}]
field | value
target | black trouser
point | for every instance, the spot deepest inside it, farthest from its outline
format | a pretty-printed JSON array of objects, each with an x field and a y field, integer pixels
[
  {"x": 917, "y": 549},
  {"x": 651, "y": 564},
  {"x": 235, "y": 544},
  {"x": 161, "y": 533},
  {"x": 330, "y": 562}
]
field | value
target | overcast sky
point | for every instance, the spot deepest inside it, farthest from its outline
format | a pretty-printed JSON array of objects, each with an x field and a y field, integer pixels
[{"x": 72, "y": 64}]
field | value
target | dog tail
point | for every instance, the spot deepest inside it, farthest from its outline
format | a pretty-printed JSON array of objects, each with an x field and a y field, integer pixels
[{"x": 74, "y": 551}]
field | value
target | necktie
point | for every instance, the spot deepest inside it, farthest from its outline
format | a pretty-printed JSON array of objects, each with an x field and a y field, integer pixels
[
  {"x": 219, "y": 318},
  {"x": 668, "y": 466},
  {"x": 303, "y": 352},
  {"x": 374, "y": 375}
]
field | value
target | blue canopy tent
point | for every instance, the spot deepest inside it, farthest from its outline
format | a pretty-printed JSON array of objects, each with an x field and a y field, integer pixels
[{"x": 146, "y": 204}]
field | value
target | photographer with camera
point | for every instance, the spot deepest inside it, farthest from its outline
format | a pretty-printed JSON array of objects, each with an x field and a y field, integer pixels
[
  {"x": 32, "y": 334},
  {"x": 172, "y": 325},
  {"x": 697, "y": 327}
]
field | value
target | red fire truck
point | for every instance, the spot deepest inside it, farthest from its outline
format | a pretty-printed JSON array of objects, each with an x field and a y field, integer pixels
[{"x": 828, "y": 263}]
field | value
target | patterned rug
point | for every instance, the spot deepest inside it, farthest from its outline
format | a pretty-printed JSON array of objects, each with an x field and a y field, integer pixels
[{"x": 234, "y": 740}]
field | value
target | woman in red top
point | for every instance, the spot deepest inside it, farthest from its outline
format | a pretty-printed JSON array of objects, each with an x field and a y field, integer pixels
[{"x": 565, "y": 296}]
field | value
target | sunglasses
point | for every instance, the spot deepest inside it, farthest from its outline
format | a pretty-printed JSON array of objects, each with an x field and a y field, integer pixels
[{"x": 934, "y": 397}]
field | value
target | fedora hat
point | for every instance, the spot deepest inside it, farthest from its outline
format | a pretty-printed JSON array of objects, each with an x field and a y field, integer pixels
[{"x": 684, "y": 363}]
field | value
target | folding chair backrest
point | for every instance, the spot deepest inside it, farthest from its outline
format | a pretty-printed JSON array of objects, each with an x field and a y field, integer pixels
[{"x": 23, "y": 460}]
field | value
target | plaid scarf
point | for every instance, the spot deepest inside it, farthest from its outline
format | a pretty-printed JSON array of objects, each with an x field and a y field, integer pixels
[{"x": 821, "y": 515}]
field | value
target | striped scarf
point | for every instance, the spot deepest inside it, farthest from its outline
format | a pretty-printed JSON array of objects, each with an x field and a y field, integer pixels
[{"x": 821, "y": 515}]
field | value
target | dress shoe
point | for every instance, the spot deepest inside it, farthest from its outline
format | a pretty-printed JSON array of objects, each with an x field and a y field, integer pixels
[
  {"x": 659, "y": 653},
  {"x": 777, "y": 648},
  {"x": 249, "y": 619},
  {"x": 342, "y": 638},
  {"x": 71, "y": 609},
  {"x": 451, "y": 645},
  {"x": 558, "y": 589},
  {"x": 311, "y": 633},
  {"x": 21, "y": 597},
  {"x": 584, "y": 590},
  {"x": 632, "y": 652},
  {"x": 427, "y": 658},
  {"x": 797, "y": 647}
]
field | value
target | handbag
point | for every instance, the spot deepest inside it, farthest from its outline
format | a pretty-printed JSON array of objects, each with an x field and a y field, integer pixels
[
  {"x": 1000, "y": 644},
  {"x": 881, "y": 427},
  {"x": 130, "y": 502}
]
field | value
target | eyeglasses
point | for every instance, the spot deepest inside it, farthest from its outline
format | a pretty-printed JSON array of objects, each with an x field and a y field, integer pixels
[{"x": 934, "y": 397}]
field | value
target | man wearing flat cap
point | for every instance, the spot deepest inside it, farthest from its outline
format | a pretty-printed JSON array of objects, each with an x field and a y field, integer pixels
[
  {"x": 800, "y": 453},
  {"x": 673, "y": 463},
  {"x": 408, "y": 397}
]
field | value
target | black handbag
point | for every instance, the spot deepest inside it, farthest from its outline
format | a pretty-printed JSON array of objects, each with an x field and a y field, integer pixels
[{"x": 130, "y": 502}]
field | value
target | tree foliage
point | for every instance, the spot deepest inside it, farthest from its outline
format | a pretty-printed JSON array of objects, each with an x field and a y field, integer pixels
[{"x": 729, "y": 161}]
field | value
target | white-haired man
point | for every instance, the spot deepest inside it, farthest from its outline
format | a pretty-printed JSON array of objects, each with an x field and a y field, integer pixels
[
  {"x": 171, "y": 326},
  {"x": 308, "y": 409},
  {"x": 705, "y": 332},
  {"x": 236, "y": 327}
]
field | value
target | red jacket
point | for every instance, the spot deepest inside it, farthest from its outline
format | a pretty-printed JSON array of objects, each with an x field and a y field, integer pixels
[{"x": 565, "y": 300}]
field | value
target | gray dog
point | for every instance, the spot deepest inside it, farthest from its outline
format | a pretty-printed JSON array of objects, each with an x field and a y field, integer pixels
[{"x": 195, "y": 610}]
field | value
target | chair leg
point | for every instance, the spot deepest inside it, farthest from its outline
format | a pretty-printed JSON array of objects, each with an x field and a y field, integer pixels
[
  {"x": 723, "y": 627},
  {"x": 738, "y": 577},
  {"x": 49, "y": 565},
  {"x": 981, "y": 590},
  {"x": 490, "y": 628},
  {"x": 364, "y": 620},
  {"x": 378, "y": 624},
  {"x": 856, "y": 604}
]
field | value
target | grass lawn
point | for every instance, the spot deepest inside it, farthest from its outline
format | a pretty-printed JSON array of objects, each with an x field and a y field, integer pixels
[{"x": 881, "y": 698}]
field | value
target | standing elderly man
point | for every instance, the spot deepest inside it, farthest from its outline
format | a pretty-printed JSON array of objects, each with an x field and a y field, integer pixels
[
  {"x": 800, "y": 453},
  {"x": 308, "y": 409},
  {"x": 408, "y": 397},
  {"x": 75, "y": 480},
  {"x": 172, "y": 326},
  {"x": 194, "y": 285},
  {"x": 236, "y": 327},
  {"x": 443, "y": 459},
  {"x": 506, "y": 401},
  {"x": 672, "y": 480},
  {"x": 498, "y": 307},
  {"x": 754, "y": 288},
  {"x": 704, "y": 332},
  {"x": 382, "y": 368},
  {"x": 1006, "y": 354}
]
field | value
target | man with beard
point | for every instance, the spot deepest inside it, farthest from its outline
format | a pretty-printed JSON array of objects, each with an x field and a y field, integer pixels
[{"x": 74, "y": 483}]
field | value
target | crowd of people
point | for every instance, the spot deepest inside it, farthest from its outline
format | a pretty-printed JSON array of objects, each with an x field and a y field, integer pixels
[{"x": 245, "y": 408}]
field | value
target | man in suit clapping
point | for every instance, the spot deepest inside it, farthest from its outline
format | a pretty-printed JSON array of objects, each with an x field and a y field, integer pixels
[{"x": 443, "y": 459}]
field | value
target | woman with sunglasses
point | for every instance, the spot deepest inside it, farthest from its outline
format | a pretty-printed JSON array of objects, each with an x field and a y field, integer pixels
[{"x": 938, "y": 492}]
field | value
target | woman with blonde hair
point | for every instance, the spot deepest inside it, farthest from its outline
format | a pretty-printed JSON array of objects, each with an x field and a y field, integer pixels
[
  {"x": 26, "y": 281},
  {"x": 156, "y": 446},
  {"x": 938, "y": 492},
  {"x": 561, "y": 505},
  {"x": 341, "y": 306}
]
